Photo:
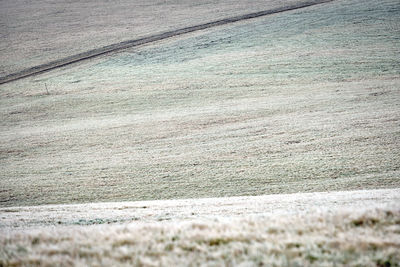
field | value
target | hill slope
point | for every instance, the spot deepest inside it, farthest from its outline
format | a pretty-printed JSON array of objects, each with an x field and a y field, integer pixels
[{"x": 305, "y": 100}]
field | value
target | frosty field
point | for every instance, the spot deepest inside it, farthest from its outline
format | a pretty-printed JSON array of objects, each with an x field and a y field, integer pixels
[
  {"x": 41, "y": 31},
  {"x": 305, "y": 229},
  {"x": 272, "y": 141},
  {"x": 245, "y": 109}
]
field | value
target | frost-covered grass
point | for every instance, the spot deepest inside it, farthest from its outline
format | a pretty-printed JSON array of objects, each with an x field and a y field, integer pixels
[
  {"x": 36, "y": 32},
  {"x": 367, "y": 236},
  {"x": 30, "y": 217},
  {"x": 299, "y": 101}
]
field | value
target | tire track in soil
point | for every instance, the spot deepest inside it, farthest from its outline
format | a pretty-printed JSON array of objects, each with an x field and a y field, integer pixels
[{"x": 145, "y": 40}]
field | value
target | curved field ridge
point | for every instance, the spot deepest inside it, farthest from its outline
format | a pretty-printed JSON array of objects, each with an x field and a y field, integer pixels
[
  {"x": 146, "y": 40},
  {"x": 354, "y": 228},
  {"x": 184, "y": 209}
]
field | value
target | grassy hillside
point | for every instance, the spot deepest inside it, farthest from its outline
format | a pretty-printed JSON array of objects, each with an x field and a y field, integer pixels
[
  {"x": 300, "y": 101},
  {"x": 305, "y": 100},
  {"x": 35, "y": 32}
]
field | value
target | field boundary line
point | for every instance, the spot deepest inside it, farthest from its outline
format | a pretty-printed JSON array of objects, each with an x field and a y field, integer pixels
[{"x": 145, "y": 40}]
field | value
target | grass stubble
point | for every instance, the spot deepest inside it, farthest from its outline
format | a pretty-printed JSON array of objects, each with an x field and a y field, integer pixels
[{"x": 366, "y": 237}]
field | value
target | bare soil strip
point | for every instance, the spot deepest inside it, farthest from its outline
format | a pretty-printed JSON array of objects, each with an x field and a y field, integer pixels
[{"x": 146, "y": 40}]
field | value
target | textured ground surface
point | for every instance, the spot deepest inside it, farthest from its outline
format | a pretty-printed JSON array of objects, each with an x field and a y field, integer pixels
[
  {"x": 306, "y": 100},
  {"x": 360, "y": 228},
  {"x": 35, "y": 32},
  {"x": 301, "y": 101},
  {"x": 67, "y": 59}
]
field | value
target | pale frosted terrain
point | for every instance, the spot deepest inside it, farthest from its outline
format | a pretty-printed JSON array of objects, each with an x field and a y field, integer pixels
[
  {"x": 215, "y": 121},
  {"x": 190, "y": 209},
  {"x": 319, "y": 229},
  {"x": 35, "y": 32},
  {"x": 245, "y": 109}
]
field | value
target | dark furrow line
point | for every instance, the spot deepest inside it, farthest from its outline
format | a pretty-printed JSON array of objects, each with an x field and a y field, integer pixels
[{"x": 146, "y": 40}]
